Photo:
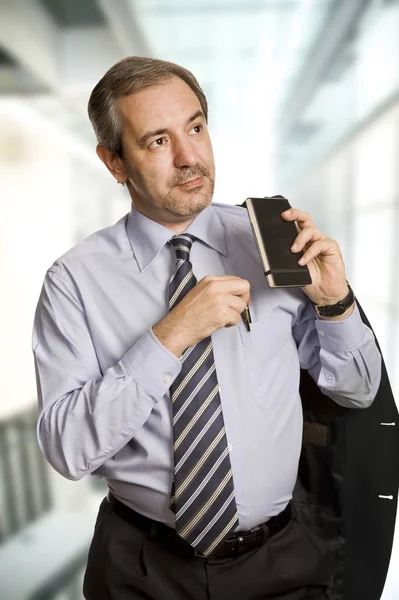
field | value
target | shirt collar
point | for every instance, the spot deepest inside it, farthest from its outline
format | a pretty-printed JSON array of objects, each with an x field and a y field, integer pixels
[{"x": 147, "y": 237}]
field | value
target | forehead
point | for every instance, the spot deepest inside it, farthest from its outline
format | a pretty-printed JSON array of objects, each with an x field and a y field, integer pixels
[{"x": 166, "y": 105}]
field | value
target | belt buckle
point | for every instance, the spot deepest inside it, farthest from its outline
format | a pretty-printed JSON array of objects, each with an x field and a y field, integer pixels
[{"x": 240, "y": 545}]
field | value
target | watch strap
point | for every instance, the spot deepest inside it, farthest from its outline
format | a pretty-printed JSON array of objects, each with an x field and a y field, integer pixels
[{"x": 334, "y": 310}]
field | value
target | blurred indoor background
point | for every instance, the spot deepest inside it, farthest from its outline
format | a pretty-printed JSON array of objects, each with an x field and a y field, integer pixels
[{"x": 304, "y": 101}]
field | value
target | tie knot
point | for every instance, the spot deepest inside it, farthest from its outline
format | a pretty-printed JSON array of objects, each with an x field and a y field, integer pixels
[{"x": 182, "y": 244}]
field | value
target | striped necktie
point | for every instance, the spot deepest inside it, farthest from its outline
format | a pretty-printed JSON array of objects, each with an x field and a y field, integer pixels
[{"x": 202, "y": 497}]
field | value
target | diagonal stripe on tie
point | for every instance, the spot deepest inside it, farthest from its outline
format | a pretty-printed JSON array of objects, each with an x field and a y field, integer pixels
[
  {"x": 206, "y": 507},
  {"x": 198, "y": 490},
  {"x": 181, "y": 291},
  {"x": 193, "y": 394},
  {"x": 200, "y": 360},
  {"x": 203, "y": 497},
  {"x": 202, "y": 437},
  {"x": 205, "y": 404},
  {"x": 201, "y": 462}
]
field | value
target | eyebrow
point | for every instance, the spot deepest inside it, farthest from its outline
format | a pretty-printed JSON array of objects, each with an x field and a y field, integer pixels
[{"x": 144, "y": 138}]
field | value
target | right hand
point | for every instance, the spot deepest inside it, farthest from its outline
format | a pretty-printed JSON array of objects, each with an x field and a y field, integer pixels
[{"x": 215, "y": 302}]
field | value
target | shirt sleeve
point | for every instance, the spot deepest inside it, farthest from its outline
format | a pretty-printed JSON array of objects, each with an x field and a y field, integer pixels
[
  {"x": 341, "y": 356},
  {"x": 87, "y": 416}
]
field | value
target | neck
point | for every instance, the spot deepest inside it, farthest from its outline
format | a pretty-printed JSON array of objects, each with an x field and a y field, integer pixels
[{"x": 177, "y": 226}]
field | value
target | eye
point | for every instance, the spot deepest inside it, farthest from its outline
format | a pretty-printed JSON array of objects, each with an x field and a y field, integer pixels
[
  {"x": 196, "y": 129},
  {"x": 157, "y": 142}
]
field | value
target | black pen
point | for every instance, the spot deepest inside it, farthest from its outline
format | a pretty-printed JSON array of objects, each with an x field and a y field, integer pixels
[{"x": 246, "y": 315}]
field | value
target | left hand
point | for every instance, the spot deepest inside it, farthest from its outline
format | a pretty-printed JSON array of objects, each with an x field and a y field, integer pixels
[{"x": 323, "y": 257}]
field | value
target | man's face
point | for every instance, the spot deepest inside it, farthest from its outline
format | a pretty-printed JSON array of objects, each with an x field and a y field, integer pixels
[{"x": 168, "y": 154}]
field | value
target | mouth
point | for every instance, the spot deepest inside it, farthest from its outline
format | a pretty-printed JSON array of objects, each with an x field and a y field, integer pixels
[{"x": 192, "y": 183}]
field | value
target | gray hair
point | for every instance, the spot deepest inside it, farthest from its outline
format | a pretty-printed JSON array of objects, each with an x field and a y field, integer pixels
[{"x": 126, "y": 77}]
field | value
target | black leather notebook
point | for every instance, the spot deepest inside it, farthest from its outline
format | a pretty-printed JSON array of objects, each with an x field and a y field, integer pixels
[{"x": 274, "y": 237}]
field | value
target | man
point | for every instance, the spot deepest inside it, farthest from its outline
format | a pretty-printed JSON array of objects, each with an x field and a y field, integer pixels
[{"x": 148, "y": 376}]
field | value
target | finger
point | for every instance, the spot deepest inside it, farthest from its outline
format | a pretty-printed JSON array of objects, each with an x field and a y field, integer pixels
[
  {"x": 233, "y": 319},
  {"x": 209, "y": 278},
  {"x": 237, "y": 303},
  {"x": 226, "y": 281},
  {"x": 246, "y": 296},
  {"x": 300, "y": 216},
  {"x": 237, "y": 287},
  {"x": 307, "y": 235},
  {"x": 325, "y": 247},
  {"x": 225, "y": 284}
]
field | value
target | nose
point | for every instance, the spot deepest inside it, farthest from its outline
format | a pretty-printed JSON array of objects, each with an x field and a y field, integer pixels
[{"x": 185, "y": 153}]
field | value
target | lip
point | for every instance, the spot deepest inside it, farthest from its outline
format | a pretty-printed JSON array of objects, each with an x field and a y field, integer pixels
[{"x": 192, "y": 183}]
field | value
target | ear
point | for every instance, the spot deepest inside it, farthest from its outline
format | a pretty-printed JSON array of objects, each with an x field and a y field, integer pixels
[{"x": 113, "y": 163}]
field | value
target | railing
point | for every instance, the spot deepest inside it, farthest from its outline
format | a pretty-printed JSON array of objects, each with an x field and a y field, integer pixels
[
  {"x": 24, "y": 484},
  {"x": 43, "y": 551}
]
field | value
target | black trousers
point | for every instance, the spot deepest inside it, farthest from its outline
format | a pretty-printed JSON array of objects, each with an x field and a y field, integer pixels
[{"x": 126, "y": 563}]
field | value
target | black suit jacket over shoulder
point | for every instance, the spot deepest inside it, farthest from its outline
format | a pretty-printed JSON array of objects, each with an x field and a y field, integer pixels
[{"x": 347, "y": 484}]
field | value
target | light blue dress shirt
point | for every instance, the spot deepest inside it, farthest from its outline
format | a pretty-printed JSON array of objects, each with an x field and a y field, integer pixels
[{"x": 103, "y": 377}]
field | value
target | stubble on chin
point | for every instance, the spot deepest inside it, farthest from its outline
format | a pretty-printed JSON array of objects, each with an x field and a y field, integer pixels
[
  {"x": 190, "y": 203},
  {"x": 188, "y": 206}
]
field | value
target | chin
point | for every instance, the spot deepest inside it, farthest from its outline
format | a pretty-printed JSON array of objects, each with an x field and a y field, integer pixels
[{"x": 189, "y": 206}]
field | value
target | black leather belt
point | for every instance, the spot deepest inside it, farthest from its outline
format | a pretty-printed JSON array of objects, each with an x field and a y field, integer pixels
[{"x": 234, "y": 545}]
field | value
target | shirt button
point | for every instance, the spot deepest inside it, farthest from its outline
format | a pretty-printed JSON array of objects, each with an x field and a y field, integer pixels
[
  {"x": 167, "y": 378},
  {"x": 229, "y": 447},
  {"x": 321, "y": 332}
]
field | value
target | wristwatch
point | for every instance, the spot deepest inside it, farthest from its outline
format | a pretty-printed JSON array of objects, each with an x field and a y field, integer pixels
[{"x": 334, "y": 310}]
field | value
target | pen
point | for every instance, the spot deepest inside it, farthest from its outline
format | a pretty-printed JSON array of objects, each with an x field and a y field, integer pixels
[{"x": 246, "y": 315}]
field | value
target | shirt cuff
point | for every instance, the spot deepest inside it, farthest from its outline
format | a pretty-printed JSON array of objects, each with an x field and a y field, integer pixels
[
  {"x": 341, "y": 336},
  {"x": 151, "y": 365}
]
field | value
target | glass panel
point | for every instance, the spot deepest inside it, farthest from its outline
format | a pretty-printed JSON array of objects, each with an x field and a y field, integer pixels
[
  {"x": 373, "y": 255},
  {"x": 375, "y": 162},
  {"x": 377, "y": 72},
  {"x": 358, "y": 81}
]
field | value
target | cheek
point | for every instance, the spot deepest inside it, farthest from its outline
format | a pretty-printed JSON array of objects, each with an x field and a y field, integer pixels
[
  {"x": 158, "y": 175},
  {"x": 150, "y": 174}
]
